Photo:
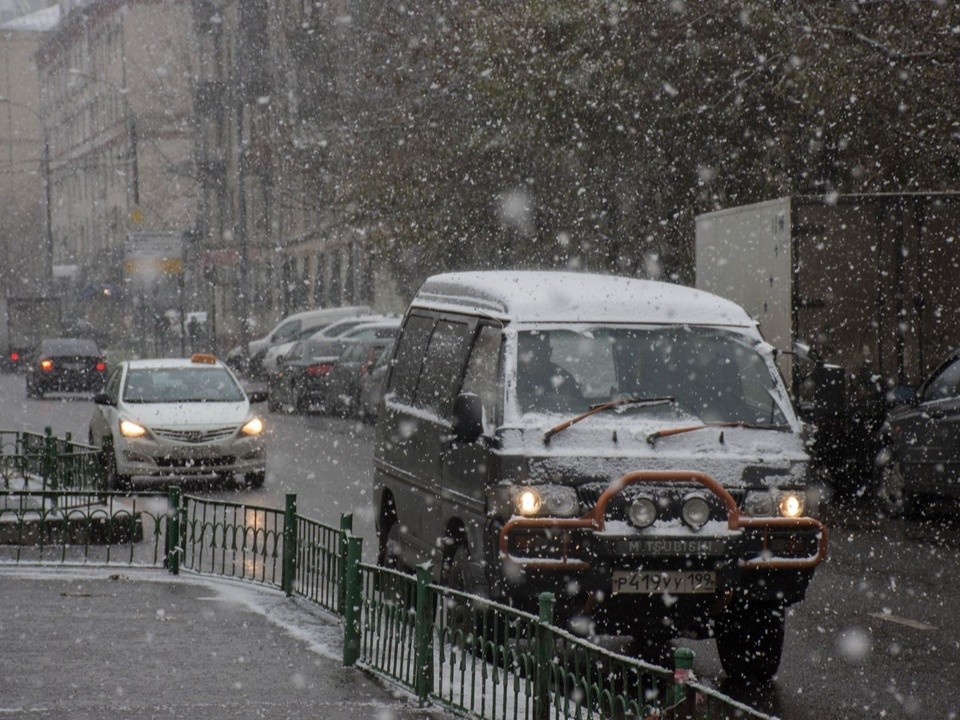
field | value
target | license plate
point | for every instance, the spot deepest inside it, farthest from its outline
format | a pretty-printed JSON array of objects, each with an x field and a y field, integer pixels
[
  {"x": 653, "y": 582},
  {"x": 73, "y": 366}
]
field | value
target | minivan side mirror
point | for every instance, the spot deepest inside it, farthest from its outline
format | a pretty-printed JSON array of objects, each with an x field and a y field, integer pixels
[
  {"x": 467, "y": 418},
  {"x": 257, "y": 396},
  {"x": 101, "y": 398}
]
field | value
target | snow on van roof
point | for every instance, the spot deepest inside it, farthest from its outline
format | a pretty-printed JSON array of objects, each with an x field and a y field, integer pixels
[{"x": 543, "y": 296}]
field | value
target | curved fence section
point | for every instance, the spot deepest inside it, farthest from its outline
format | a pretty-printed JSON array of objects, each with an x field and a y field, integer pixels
[{"x": 465, "y": 653}]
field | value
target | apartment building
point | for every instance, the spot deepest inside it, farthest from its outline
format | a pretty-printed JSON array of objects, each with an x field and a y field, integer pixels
[
  {"x": 25, "y": 260},
  {"x": 117, "y": 97}
]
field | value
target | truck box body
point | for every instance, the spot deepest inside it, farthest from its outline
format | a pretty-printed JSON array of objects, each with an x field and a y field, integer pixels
[
  {"x": 26, "y": 321},
  {"x": 868, "y": 283}
]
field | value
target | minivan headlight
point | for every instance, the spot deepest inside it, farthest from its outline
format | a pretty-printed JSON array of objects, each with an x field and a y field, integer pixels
[
  {"x": 761, "y": 503},
  {"x": 791, "y": 504},
  {"x": 546, "y": 501}
]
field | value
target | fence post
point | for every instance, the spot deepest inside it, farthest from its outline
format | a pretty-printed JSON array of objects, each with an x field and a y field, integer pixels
[
  {"x": 352, "y": 600},
  {"x": 49, "y": 461},
  {"x": 423, "y": 635},
  {"x": 545, "y": 653},
  {"x": 346, "y": 527},
  {"x": 68, "y": 464},
  {"x": 289, "y": 543},
  {"x": 173, "y": 530},
  {"x": 683, "y": 699}
]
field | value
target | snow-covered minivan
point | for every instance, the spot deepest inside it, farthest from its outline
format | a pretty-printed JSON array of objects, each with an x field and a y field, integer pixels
[{"x": 625, "y": 444}]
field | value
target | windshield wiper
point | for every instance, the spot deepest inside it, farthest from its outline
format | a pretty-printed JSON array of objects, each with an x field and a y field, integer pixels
[
  {"x": 654, "y": 436},
  {"x": 594, "y": 409}
]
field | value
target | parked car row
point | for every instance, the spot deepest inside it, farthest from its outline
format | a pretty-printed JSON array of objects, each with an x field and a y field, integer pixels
[{"x": 325, "y": 373}]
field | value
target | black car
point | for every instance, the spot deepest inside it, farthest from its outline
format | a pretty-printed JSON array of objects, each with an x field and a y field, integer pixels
[
  {"x": 919, "y": 460},
  {"x": 343, "y": 381},
  {"x": 66, "y": 365},
  {"x": 301, "y": 377}
]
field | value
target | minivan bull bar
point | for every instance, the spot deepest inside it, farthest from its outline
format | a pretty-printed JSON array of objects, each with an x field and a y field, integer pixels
[{"x": 594, "y": 521}]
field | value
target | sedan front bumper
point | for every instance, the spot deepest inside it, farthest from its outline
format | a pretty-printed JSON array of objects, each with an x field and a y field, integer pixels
[{"x": 160, "y": 458}]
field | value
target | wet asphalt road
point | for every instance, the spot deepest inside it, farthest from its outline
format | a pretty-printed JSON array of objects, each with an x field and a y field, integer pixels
[{"x": 878, "y": 635}]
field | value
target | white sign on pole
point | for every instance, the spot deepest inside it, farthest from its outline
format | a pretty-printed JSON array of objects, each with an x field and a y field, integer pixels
[{"x": 149, "y": 256}]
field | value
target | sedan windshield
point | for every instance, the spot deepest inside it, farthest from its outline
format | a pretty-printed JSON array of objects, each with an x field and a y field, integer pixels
[
  {"x": 715, "y": 375},
  {"x": 171, "y": 385}
]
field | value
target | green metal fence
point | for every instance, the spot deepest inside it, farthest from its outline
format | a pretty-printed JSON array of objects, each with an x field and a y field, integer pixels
[
  {"x": 462, "y": 652},
  {"x": 43, "y": 461}
]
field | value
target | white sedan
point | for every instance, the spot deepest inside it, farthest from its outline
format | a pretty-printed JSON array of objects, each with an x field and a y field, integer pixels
[{"x": 178, "y": 418}]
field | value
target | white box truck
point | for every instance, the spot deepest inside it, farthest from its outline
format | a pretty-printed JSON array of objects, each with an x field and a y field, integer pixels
[{"x": 859, "y": 292}]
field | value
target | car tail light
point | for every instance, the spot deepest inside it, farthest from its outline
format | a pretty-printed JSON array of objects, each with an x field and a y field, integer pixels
[
  {"x": 46, "y": 364},
  {"x": 15, "y": 356},
  {"x": 318, "y": 370},
  {"x": 101, "y": 366}
]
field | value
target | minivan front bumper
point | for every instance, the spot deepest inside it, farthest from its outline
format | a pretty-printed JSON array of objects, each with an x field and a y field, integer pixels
[{"x": 775, "y": 556}]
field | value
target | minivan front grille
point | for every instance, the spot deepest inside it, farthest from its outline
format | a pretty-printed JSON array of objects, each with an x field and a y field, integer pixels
[{"x": 195, "y": 437}]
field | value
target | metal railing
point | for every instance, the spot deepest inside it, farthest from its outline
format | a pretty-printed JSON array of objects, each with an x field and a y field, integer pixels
[
  {"x": 41, "y": 460},
  {"x": 462, "y": 652}
]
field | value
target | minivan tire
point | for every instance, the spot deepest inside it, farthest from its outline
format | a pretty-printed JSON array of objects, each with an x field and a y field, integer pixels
[{"x": 750, "y": 641}]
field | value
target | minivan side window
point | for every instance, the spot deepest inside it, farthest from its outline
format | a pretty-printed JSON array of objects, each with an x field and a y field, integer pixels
[
  {"x": 481, "y": 378},
  {"x": 410, "y": 352},
  {"x": 442, "y": 366}
]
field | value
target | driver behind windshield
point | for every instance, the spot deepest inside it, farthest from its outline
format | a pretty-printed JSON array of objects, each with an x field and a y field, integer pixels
[{"x": 541, "y": 383}]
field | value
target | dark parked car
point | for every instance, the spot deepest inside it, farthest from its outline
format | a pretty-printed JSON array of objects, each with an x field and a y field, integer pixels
[
  {"x": 343, "y": 382},
  {"x": 66, "y": 365},
  {"x": 302, "y": 374},
  {"x": 919, "y": 460},
  {"x": 371, "y": 385}
]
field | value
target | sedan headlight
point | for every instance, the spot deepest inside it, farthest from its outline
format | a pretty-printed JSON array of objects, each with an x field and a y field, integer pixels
[
  {"x": 253, "y": 427},
  {"x": 130, "y": 429}
]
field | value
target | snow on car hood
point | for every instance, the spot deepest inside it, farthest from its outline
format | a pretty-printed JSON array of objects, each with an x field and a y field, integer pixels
[
  {"x": 193, "y": 415},
  {"x": 609, "y": 446}
]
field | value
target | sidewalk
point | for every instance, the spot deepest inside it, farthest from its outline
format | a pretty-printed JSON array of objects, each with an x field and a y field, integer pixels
[{"x": 129, "y": 643}]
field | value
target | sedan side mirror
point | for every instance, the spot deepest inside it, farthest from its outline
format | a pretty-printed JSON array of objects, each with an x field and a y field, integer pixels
[
  {"x": 102, "y": 398},
  {"x": 258, "y": 396},
  {"x": 902, "y": 395},
  {"x": 467, "y": 418}
]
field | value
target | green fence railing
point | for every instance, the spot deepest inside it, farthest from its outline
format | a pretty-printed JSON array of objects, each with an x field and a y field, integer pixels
[
  {"x": 461, "y": 652},
  {"x": 43, "y": 461}
]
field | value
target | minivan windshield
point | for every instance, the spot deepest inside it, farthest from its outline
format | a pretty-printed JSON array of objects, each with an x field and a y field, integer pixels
[{"x": 712, "y": 374}]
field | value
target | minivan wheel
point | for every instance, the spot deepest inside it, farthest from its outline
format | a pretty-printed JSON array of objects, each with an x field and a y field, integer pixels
[
  {"x": 462, "y": 617},
  {"x": 891, "y": 489},
  {"x": 389, "y": 545},
  {"x": 750, "y": 641}
]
